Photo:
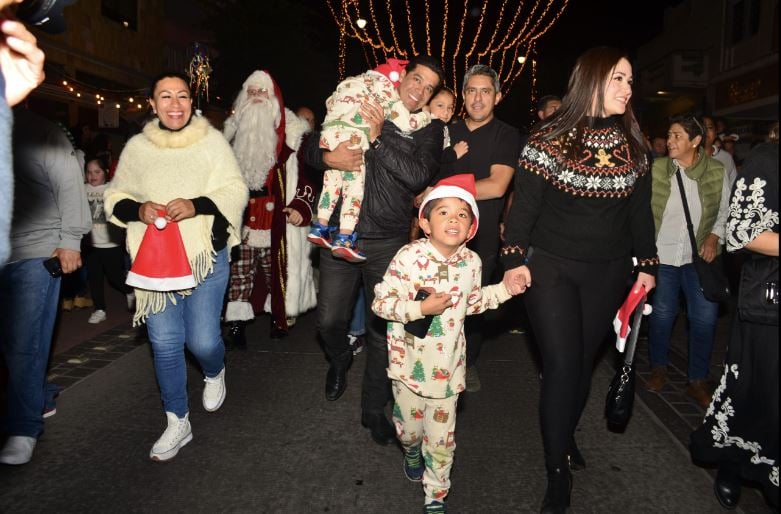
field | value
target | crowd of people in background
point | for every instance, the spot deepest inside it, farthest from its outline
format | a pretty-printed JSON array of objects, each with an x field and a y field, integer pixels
[{"x": 554, "y": 216}]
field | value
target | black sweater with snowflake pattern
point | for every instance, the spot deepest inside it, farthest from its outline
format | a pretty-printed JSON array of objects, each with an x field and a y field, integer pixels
[{"x": 592, "y": 206}]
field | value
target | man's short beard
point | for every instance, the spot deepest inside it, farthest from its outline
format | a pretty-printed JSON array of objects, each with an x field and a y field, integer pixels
[{"x": 255, "y": 143}]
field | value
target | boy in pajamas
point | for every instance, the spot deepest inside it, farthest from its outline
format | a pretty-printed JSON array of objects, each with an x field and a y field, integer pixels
[{"x": 428, "y": 373}]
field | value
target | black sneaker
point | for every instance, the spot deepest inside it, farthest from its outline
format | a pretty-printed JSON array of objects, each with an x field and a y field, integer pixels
[
  {"x": 434, "y": 507},
  {"x": 414, "y": 466}
]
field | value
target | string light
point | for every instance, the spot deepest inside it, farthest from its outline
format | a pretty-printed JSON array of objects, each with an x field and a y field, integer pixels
[
  {"x": 79, "y": 90},
  {"x": 500, "y": 33}
]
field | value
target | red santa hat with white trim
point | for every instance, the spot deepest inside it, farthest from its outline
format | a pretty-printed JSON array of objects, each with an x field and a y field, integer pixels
[
  {"x": 458, "y": 186},
  {"x": 392, "y": 69},
  {"x": 161, "y": 263}
]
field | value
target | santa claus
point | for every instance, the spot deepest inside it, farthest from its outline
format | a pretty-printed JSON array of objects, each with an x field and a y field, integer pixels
[{"x": 265, "y": 137}]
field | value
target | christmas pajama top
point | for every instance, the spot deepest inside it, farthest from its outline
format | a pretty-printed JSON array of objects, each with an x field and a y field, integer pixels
[{"x": 433, "y": 367}]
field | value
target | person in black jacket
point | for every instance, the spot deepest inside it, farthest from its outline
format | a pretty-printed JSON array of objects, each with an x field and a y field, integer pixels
[{"x": 398, "y": 166}]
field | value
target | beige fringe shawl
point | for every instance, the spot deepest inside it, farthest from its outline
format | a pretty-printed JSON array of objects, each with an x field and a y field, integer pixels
[{"x": 159, "y": 166}]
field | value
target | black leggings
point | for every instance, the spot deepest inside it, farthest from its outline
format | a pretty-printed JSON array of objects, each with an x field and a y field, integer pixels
[
  {"x": 570, "y": 304},
  {"x": 108, "y": 263}
]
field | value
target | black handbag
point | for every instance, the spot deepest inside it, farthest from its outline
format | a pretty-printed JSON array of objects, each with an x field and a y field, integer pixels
[
  {"x": 621, "y": 392},
  {"x": 758, "y": 293},
  {"x": 713, "y": 280}
]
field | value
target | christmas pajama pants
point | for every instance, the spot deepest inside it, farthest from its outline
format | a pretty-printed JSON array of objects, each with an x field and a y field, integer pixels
[
  {"x": 347, "y": 185},
  {"x": 429, "y": 423}
]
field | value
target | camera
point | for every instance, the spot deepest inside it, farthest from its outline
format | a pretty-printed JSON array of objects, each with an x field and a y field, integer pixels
[{"x": 45, "y": 14}]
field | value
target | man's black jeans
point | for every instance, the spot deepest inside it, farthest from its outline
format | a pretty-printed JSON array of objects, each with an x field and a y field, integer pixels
[{"x": 338, "y": 287}]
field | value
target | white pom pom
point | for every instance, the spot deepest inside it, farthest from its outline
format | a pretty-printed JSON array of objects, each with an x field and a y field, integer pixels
[
  {"x": 270, "y": 206},
  {"x": 161, "y": 222},
  {"x": 394, "y": 76}
]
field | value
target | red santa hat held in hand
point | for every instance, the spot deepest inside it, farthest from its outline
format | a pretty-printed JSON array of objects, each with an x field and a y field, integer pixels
[
  {"x": 392, "y": 69},
  {"x": 161, "y": 263},
  {"x": 458, "y": 186}
]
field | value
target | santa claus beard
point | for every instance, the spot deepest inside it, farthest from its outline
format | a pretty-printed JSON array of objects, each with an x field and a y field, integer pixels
[{"x": 255, "y": 143}]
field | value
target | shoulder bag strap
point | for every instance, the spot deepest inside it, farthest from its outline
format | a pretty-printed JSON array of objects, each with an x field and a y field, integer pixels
[{"x": 692, "y": 239}]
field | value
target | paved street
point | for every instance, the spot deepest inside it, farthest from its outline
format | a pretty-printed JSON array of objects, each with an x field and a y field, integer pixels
[{"x": 277, "y": 445}]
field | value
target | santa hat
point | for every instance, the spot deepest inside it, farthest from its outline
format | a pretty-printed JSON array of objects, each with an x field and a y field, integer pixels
[
  {"x": 161, "y": 262},
  {"x": 458, "y": 186},
  {"x": 392, "y": 69},
  {"x": 622, "y": 322}
]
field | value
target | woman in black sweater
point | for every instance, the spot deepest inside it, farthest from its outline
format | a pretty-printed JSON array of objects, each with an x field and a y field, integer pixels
[{"x": 582, "y": 210}]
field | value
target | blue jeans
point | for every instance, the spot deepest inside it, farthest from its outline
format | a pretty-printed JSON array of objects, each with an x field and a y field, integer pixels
[
  {"x": 193, "y": 322},
  {"x": 702, "y": 315},
  {"x": 358, "y": 321},
  {"x": 28, "y": 300}
]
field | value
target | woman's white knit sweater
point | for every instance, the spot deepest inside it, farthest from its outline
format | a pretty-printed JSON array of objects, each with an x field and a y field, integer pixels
[{"x": 160, "y": 165}]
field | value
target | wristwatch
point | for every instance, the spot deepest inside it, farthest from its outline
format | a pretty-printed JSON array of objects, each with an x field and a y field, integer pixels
[{"x": 376, "y": 143}]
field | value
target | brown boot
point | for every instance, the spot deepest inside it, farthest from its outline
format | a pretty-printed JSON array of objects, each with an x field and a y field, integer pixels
[
  {"x": 82, "y": 302},
  {"x": 657, "y": 380},
  {"x": 698, "y": 389}
]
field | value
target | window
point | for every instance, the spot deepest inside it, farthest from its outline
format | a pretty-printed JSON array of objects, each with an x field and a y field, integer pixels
[
  {"x": 124, "y": 12},
  {"x": 745, "y": 19}
]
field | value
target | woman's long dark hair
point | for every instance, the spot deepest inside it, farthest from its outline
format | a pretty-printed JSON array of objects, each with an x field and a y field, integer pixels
[{"x": 586, "y": 82}]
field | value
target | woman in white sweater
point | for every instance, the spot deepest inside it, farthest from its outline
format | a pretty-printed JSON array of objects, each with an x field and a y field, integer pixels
[{"x": 180, "y": 168}]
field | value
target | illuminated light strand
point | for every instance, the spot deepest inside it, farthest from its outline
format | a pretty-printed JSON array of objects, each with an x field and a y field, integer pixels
[
  {"x": 399, "y": 51},
  {"x": 460, "y": 37},
  {"x": 444, "y": 35},
  {"x": 428, "y": 30},
  {"x": 409, "y": 27},
  {"x": 512, "y": 29},
  {"x": 480, "y": 55},
  {"x": 508, "y": 31},
  {"x": 386, "y": 49}
]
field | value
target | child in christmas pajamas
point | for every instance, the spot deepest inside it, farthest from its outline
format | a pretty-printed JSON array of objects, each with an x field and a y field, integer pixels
[
  {"x": 428, "y": 374},
  {"x": 343, "y": 122}
]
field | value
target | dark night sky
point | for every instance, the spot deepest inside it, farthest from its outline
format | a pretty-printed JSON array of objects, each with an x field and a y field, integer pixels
[{"x": 584, "y": 24}]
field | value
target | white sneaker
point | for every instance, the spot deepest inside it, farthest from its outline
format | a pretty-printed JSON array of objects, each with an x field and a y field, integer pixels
[
  {"x": 131, "y": 301},
  {"x": 97, "y": 317},
  {"x": 18, "y": 450},
  {"x": 178, "y": 434},
  {"x": 214, "y": 391}
]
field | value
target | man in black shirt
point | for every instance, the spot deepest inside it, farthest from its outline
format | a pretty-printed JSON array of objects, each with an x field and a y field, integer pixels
[{"x": 494, "y": 147}]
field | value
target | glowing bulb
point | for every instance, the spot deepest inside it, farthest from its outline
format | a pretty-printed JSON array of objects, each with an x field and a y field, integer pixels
[
  {"x": 521, "y": 59},
  {"x": 98, "y": 102},
  {"x": 139, "y": 106},
  {"x": 78, "y": 95},
  {"x": 64, "y": 82},
  {"x": 361, "y": 23},
  {"x": 97, "y": 96},
  {"x": 70, "y": 89},
  {"x": 130, "y": 99},
  {"x": 118, "y": 106}
]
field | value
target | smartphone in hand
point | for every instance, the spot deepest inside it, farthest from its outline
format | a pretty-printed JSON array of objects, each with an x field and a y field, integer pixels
[
  {"x": 53, "y": 266},
  {"x": 419, "y": 327}
]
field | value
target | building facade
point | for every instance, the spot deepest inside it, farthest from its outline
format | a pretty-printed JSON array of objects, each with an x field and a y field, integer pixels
[{"x": 718, "y": 57}]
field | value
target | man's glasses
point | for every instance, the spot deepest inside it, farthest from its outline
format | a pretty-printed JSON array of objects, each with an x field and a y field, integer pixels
[{"x": 257, "y": 92}]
